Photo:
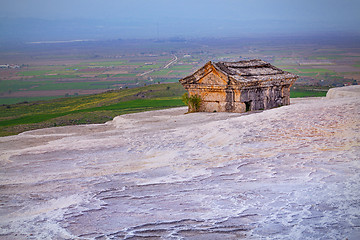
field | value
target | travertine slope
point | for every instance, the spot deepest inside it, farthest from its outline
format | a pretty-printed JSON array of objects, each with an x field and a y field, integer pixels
[{"x": 287, "y": 173}]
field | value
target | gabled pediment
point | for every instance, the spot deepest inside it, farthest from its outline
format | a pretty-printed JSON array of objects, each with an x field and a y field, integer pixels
[
  {"x": 212, "y": 78},
  {"x": 207, "y": 75}
]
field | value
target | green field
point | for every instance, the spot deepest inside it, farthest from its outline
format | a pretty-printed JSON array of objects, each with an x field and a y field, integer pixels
[
  {"x": 149, "y": 67},
  {"x": 16, "y": 85},
  {"x": 327, "y": 57},
  {"x": 97, "y": 108},
  {"x": 299, "y": 94},
  {"x": 125, "y": 75},
  {"x": 315, "y": 70},
  {"x": 34, "y": 72},
  {"x": 162, "y": 72},
  {"x": 13, "y": 100},
  {"x": 19, "y": 85},
  {"x": 104, "y": 63},
  {"x": 181, "y": 67},
  {"x": 298, "y": 91},
  {"x": 309, "y": 74}
]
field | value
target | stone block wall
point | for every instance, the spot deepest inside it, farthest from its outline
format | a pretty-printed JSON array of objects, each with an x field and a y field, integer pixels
[{"x": 227, "y": 99}]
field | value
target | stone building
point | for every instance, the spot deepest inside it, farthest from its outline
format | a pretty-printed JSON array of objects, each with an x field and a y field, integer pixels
[{"x": 239, "y": 86}]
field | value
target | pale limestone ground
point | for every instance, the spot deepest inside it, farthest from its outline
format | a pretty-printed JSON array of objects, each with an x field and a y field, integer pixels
[
  {"x": 286, "y": 173},
  {"x": 350, "y": 91}
]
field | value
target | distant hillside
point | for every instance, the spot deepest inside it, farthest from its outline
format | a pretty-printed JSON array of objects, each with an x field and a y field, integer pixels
[{"x": 97, "y": 108}]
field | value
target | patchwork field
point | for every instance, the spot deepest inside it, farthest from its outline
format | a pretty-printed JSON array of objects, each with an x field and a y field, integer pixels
[
  {"x": 36, "y": 81},
  {"x": 49, "y": 71}
]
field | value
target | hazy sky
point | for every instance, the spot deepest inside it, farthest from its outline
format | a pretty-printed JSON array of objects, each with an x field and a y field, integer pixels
[{"x": 187, "y": 18}]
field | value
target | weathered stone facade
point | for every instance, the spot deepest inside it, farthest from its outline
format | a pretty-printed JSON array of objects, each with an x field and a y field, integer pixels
[{"x": 239, "y": 86}]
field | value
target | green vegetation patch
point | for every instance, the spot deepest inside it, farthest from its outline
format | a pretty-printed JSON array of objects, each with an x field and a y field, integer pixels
[
  {"x": 97, "y": 108},
  {"x": 125, "y": 75},
  {"x": 315, "y": 70},
  {"x": 307, "y": 91},
  {"x": 181, "y": 67},
  {"x": 299, "y": 94},
  {"x": 310, "y": 74},
  {"x": 292, "y": 70},
  {"x": 17, "y": 85},
  {"x": 105, "y": 64},
  {"x": 162, "y": 72},
  {"x": 149, "y": 67},
  {"x": 327, "y": 57},
  {"x": 8, "y": 101},
  {"x": 59, "y": 76},
  {"x": 35, "y": 72},
  {"x": 10, "y": 86}
]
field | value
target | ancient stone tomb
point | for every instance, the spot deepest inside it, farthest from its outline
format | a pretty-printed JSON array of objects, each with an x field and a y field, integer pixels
[{"x": 239, "y": 86}]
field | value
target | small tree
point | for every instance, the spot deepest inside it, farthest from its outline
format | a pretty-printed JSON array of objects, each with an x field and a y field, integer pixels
[
  {"x": 194, "y": 102},
  {"x": 185, "y": 98}
]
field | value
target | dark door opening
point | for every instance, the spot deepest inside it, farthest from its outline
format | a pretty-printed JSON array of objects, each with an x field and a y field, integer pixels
[{"x": 248, "y": 106}]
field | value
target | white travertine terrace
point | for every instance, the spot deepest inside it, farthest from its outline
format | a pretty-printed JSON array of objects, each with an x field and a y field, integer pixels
[{"x": 287, "y": 173}]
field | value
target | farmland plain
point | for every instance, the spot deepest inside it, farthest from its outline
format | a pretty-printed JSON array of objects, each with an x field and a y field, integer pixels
[
  {"x": 54, "y": 70},
  {"x": 58, "y": 84}
]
